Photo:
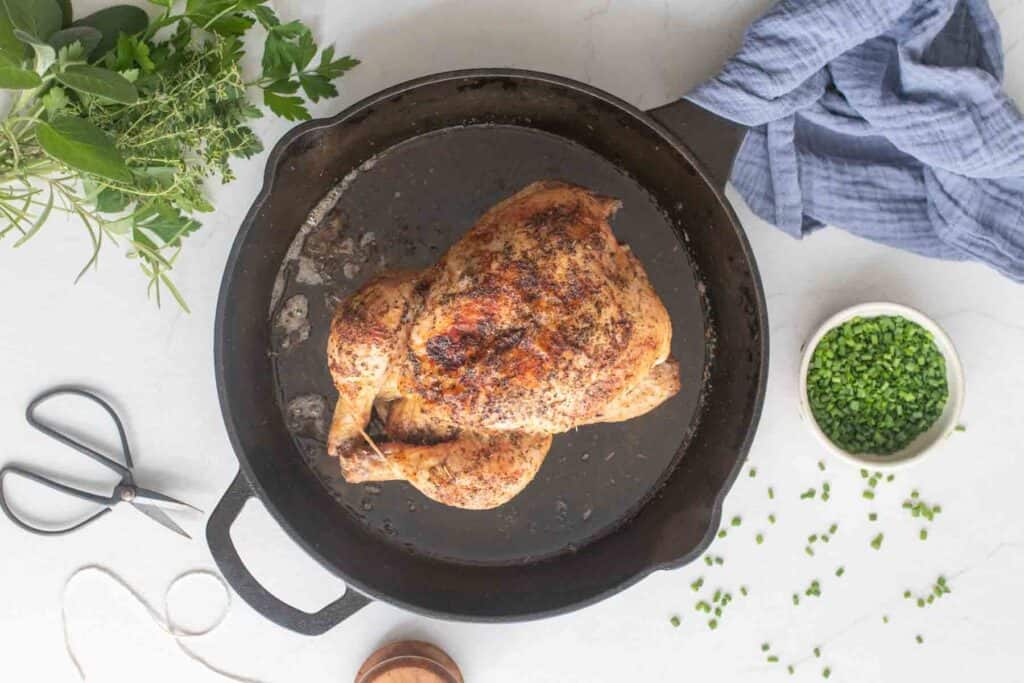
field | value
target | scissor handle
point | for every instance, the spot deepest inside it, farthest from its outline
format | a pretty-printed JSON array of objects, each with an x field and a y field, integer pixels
[
  {"x": 56, "y": 486},
  {"x": 123, "y": 470}
]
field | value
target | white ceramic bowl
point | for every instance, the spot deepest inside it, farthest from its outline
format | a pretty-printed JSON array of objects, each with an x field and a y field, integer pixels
[{"x": 925, "y": 442}]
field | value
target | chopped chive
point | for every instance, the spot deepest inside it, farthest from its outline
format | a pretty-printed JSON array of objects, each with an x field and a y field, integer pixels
[
  {"x": 906, "y": 594},
  {"x": 719, "y": 560},
  {"x": 923, "y": 534},
  {"x": 809, "y": 550},
  {"x": 817, "y": 652},
  {"x": 840, "y": 571},
  {"x": 759, "y": 538},
  {"x": 718, "y": 611},
  {"x": 919, "y": 639},
  {"x": 812, "y": 538},
  {"x": 772, "y": 659},
  {"x": 771, "y": 493},
  {"x": 708, "y": 561},
  {"x": 890, "y": 477},
  {"x": 826, "y": 672},
  {"x": 920, "y": 602},
  {"x": 765, "y": 647},
  {"x": 790, "y": 669},
  {"x": 753, "y": 472},
  {"x": 832, "y": 529},
  {"x": 697, "y": 584},
  {"x": 743, "y": 591},
  {"x": 869, "y": 494},
  {"x": 824, "y": 538},
  {"x": 809, "y": 493},
  {"x": 703, "y": 606},
  {"x": 796, "y": 599},
  {"x": 713, "y": 624},
  {"x": 914, "y": 494},
  {"x": 876, "y": 542},
  {"x": 674, "y": 621},
  {"x": 718, "y": 596},
  {"x": 821, "y": 466},
  {"x": 771, "y": 519},
  {"x": 960, "y": 428},
  {"x": 721, "y": 533},
  {"x": 873, "y": 516},
  {"x": 885, "y": 619},
  {"x": 863, "y": 474},
  {"x": 736, "y": 521}
]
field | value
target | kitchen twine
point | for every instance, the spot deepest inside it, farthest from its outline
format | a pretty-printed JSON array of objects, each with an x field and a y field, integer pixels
[{"x": 164, "y": 621}]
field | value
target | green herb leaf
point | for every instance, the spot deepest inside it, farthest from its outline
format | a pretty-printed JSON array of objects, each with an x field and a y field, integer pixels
[
  {"x": 82, "y": 146},
  {"x": 111, "y": 22},
  {"x": 101, "y": 82},
  {"x": 11, "y": 49},
  {"x": 317, "y": 87},
  {"x": 287, "y": 107},
  {"x": 13, "y": 77},
  {"x": 86, "y": 36},
  {"x": 38, "y": 18}
]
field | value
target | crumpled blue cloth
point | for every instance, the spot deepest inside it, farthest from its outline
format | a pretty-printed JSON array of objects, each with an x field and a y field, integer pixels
[{"x": 883, "y": 118}]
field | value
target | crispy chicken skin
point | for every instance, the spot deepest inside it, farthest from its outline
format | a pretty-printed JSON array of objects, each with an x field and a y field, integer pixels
[{"x": 535, "y": 322}]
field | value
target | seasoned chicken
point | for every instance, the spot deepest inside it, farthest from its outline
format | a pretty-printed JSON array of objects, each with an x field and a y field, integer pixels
[{"x": 535, "y": 322}]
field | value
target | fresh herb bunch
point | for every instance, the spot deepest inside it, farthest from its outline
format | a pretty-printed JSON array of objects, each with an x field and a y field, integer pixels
[
  {"x": 875, "y": 384},
  {"x": 119, "y": 119}
]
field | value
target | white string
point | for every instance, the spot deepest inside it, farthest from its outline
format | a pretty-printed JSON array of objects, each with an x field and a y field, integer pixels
[{"x": 164, "y": 621}]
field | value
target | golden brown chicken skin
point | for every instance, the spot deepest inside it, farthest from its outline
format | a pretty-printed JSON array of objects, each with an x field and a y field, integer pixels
[{"x": 535, "y": 322}]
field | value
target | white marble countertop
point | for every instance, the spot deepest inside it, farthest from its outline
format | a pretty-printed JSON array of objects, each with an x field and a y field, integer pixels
[{"x": 158, "y": 364}]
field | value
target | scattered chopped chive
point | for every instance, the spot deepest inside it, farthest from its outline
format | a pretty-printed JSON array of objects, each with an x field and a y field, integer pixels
[
  {"x": 817, "y": 652},
  {"x": 914, "y": 494},
  {"x": 759, "y": 539},
  {"x": 796, "y": 599},
  {"x": 876, "y": 542},
  {"x": 826, "y": 672},
  {"x": 718, "y": 611},
  {"x": 703, "y": 606},
  {"x": 765, "y": 647},
  {"x": 873, "y": 516},
  {"x": 942, "y": 580},
  {"x": 674, "y": 621},
  {"x": 809, "y": 550},
  {"x": 873, "y": 482},
  {"x": 772, "y": 659},
  {"x": 890, "y": 477},
  {"x": 960, "y": 428},
  {"x": 923, "y": 535},
  {"x": 821, "y": 466},
  {"x": 920, "y": 602},
  {"x": 719, "y": 560},
  {"x": 812, "y": 538},
  {"x": 771, "y": 519},
  {"x": 721, "y": 533},
  {"x": 931, "y": 599},
  {"x": 906, "y": 594},
  {"x": 743, "y": 591},
  {"x": 708, "y": 561},
  {"x": 869, "y": 494},
  {"x": 919, "y": 639},
  {"x": 824, "y": 538},
  {"x": 840, "y": 571},
  {"x": 736, "y": 521},
  {"x": 885, "y": 619},
  {"x": 718, "y": 596},
  {"x": 697, "y": 584},
  {"x": 753, "y": 472},
  {"x": 771, "y": 493},
  {"x": 790, "y": 669},
  {"x": 832, "y": 529},
  {"x": 825, "y": 495},
  {"x": 713, "y": 624},
  {"x": 863, "y": 474},
  {"x": 809, "y": 493}
]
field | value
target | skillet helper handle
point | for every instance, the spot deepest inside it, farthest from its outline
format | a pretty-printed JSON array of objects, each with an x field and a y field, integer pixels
[
  {"x": 712, "y": 139},
  {"x": 218, "y": 536}
]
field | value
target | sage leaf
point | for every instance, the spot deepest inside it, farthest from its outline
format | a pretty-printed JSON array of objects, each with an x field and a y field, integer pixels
[
  {"x": 38, "y": 18},
  {"x": 86, "y": 35},
  {"x": 96, "y": 81},
  {"x": 13, "y": 77},
  {"x": 111, "y": 22},
  {"x": 10, "y": 47},
  {"x": 82, "y": 146}
]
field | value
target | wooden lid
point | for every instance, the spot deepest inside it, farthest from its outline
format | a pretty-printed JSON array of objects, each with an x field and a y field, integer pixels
[{"x": 409, "y": 661}]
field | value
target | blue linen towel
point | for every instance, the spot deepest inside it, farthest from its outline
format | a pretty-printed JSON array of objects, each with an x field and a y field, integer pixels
[{"x": 885, "y": 118}]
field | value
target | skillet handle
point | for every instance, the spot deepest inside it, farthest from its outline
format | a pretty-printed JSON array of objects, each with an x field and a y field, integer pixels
[
  {"x": 712, "y": 139},
  {"x": 218, "y": 536}
]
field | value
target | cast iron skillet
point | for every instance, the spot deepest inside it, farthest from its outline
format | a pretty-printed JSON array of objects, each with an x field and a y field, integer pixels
[{"x": 612, "y": 503}]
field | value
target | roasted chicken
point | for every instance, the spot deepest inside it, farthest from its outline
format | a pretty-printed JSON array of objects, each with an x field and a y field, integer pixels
[{"x": 535, "y": 322}]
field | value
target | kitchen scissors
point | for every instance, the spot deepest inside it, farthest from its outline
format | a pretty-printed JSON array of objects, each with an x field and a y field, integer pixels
[{"x": 148, "y": 502}]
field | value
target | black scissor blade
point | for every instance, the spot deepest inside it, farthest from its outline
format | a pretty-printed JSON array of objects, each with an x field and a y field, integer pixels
[
  {"x": 149, "y": 497},
  {"x": 160, "y": 517}
]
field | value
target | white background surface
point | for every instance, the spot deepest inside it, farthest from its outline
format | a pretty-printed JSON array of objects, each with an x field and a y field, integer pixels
[{"x": 157, "y": 364}]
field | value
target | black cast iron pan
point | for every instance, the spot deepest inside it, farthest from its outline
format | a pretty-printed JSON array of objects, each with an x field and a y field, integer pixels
[{"x": 417, "y": 165}]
